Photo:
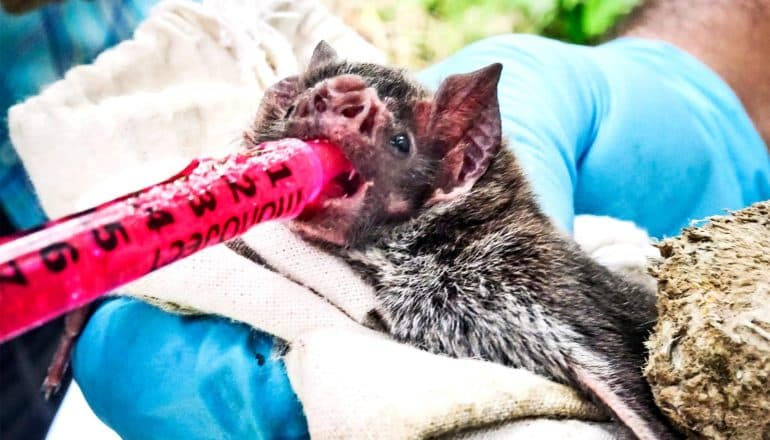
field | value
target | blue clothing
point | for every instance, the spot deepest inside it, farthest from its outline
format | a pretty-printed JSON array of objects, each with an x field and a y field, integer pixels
[
  {"x": 633, "y": 129},
  {"x": 36, "y": 49}
]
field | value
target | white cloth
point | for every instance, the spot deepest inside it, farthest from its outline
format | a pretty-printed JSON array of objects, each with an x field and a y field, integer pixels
[
  {"x": 619, "y": 245},
  {"x": 339, "y": 374},
  {"x": 74, "y": 419},
  {"x": 186, "y": 86}
]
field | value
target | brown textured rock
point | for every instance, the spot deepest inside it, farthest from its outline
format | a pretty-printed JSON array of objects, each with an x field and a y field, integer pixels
[{"x": 710, "y": 352}]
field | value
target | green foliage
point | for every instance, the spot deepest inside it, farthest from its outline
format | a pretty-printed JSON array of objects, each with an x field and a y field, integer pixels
[
  {"x": 585, "y": 21},
  {"x": 417, "y": 33},
  {"x": 577, "y": 21}
]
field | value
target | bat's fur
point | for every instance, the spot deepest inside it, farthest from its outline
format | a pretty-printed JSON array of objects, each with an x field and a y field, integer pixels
[{"x": 482, "y": 272}]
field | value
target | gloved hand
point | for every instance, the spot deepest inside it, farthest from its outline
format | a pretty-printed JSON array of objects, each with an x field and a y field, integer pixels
[
  {"x": 150, "y": 374},
  {"x": 588, "y": 129}
]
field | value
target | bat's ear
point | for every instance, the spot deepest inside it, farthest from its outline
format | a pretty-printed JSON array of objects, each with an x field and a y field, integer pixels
[
  {"x": 284, "y": 91},
  {"x": 464, "y": 127},
  {"x": 277, "y": 99},
  {"x": 322, "y": 54}
]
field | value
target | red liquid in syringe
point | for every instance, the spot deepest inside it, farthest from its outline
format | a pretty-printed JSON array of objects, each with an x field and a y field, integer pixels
[{"x": 72, "y": 261}]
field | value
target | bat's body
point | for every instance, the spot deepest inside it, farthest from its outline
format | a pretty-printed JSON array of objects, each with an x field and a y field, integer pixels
[
  {"x": 486, "y": 276},
  {"x": 440, "y": 219}
]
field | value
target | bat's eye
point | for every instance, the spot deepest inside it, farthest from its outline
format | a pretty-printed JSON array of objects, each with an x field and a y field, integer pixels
[
  {"x": 400, "y": 143},
  {"x": 289, "y": 111}
]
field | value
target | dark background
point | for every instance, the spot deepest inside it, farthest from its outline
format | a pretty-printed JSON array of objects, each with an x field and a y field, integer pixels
[{"x": 24, "y": 414}]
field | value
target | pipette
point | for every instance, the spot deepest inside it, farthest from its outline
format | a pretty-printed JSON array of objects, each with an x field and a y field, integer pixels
[{"x": 72, "y": 261}]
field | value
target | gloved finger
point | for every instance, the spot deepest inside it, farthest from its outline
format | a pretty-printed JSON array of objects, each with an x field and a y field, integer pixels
[{"x": 150, "y": 374}]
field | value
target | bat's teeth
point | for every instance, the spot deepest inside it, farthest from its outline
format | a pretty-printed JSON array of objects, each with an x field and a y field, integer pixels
[{"x": 352, "y": 174}]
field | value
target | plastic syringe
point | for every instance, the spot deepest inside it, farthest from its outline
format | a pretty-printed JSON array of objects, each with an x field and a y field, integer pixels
[{"x": 72, "y": 261}]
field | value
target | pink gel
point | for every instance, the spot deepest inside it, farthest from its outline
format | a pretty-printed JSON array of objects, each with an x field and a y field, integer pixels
[{"x": 72, "y": 261}]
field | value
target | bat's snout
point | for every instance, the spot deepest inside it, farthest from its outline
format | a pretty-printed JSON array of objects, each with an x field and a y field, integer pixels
[{"x": 345, "y": 103}]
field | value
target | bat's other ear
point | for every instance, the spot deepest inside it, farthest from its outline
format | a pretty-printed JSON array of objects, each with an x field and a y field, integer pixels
[
  {"x": 322, "y": 54},
  {"x": 282, "y": 92},
  {"x": 276, "y": 100},
  {"x": 464, "y": 127}
]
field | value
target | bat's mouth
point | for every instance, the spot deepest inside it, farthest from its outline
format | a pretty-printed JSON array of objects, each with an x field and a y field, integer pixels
[
  {"x": 341, "y": 196},
  {"x": 343, "y": 185},
  {"x": 331, "y": 215},
  {"x": 343, "y": 193}
]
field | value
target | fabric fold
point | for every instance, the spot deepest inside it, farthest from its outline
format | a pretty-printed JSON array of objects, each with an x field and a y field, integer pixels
[{"x": 363, "y": 385}]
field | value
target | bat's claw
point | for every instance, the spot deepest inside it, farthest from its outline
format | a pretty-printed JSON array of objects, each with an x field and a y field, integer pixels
[{"x": 50, "y": 387}]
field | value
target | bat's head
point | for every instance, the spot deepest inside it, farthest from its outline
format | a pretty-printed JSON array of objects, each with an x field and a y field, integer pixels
[{"x": 410, "y": 149}]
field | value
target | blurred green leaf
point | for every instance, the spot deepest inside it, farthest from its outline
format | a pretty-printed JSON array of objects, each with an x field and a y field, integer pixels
[
  {"x": 578, "y": 21},
  {"x": 600, "y": 15},
  {"x": 585, "y": 21}
]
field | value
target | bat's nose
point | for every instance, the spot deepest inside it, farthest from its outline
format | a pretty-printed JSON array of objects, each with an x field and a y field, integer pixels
[
  {"x": 348, "y": 100},
  {"x": 347, "y": 83}
]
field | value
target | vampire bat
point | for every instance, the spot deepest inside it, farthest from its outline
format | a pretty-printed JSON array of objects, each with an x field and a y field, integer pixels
[{"x": 440, "y": 219}]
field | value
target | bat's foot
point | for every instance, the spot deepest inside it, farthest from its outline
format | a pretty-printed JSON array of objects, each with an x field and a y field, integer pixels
[
  {"x": 73, "y": 325},
  {"x": 50, "y": 386}
]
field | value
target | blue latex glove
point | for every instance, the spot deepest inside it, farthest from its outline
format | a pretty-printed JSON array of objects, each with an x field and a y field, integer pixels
[
  {"x": 632, "y": 129},
  {"x": 153, "y": 375}
]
